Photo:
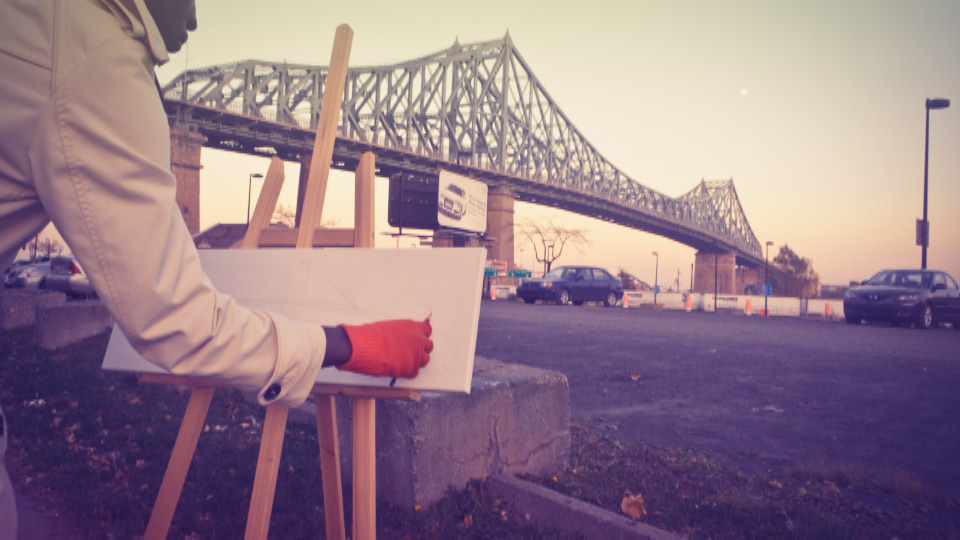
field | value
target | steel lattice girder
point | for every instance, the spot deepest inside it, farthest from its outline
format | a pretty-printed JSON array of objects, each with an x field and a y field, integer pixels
[{"x": 480, "y": 108}]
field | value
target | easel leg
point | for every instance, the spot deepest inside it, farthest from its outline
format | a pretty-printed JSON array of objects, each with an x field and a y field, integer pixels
[
  {"x": 183, "y": 449},
  {"x": 364, "y": 468},
  {"x": 268, "y": 464},
  {"x": 330, "y": 467}
]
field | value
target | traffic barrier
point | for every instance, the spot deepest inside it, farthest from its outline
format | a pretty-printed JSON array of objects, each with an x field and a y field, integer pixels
[
  {"x": 493, "y": 292},
  {"x": 826, "y": 310},
  {"x": 746, "y": 309},
  {"x": 688, "y": 305},
  {"x": 626, "y": 300}
]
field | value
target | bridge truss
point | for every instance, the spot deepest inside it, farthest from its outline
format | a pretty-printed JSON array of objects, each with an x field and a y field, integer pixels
[{"x": 476, "y": 109}]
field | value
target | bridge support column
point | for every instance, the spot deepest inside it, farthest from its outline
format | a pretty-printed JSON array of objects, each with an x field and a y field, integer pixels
[
  {"x": 715, "y": 268},
  {"x": 500, "y": 225},
  {"x": 185, "y": 165}
]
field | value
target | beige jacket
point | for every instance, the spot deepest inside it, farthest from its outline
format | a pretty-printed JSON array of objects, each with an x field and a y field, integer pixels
[{"x": 84, "y": 142}]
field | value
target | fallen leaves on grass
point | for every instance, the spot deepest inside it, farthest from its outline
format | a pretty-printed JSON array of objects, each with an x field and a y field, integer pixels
[{"x": 632, "y": 505}]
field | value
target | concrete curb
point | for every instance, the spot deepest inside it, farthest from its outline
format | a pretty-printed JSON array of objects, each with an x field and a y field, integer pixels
[{"x": 568, "y": 514}]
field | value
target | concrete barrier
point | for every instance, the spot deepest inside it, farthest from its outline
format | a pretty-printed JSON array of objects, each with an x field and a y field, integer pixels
[
  {"x": 516, "y": 420},
  {"x": 58, "y": 325},
  {"x": 18, "y": 307}
]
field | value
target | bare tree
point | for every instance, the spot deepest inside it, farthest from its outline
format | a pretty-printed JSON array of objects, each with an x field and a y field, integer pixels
[
  {"x": 548, "y": 239},
  {"x": 43, "y": 247},
  {"x": 284, "y": 215}
]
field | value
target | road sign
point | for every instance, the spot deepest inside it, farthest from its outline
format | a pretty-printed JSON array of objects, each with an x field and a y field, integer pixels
[
  {"x": 767, "y": 290},
  {"x": 516, "y": 272},
  {"x": 923, "y": 233}
]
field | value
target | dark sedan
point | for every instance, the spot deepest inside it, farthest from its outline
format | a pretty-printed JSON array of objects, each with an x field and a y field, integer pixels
[
  {"x": 924, "y": 298},
  {"x": 576, "y": 284}
]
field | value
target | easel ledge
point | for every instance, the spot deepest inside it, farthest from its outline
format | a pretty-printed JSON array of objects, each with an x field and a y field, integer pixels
[{"x": 319, "y": 389}]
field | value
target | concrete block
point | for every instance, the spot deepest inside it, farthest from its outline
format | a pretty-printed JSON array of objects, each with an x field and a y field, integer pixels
[
  {"x": 62, "y": 324},
  {"x": 18, "y": 307},
  {"x": 516, "y": 420}
]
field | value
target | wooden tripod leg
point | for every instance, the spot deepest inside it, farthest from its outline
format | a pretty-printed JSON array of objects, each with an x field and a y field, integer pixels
[
  {"x": 330, "y": 467},
  {"x": 268, "y": 464},
  {"x": 180, "y": 459},
  {"x": 364, "y": 468}
]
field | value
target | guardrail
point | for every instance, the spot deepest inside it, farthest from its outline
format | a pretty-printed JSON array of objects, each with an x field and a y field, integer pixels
[{"x": 751, "y": 305}]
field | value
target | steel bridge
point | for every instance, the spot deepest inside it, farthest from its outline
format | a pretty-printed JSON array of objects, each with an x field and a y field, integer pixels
[{"x": 475, "y": 109}]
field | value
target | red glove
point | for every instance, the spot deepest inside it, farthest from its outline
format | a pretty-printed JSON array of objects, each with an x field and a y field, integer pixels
[{"x": 396, "y": 348}]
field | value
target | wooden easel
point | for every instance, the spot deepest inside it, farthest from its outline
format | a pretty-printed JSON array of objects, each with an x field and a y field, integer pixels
[{"x": 364, "y": 404}]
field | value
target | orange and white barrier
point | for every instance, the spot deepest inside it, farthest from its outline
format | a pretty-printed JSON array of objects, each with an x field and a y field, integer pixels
[{"x": 747, "y": 308}]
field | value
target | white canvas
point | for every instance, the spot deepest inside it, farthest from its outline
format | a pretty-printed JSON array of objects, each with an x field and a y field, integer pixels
[{"x": 354, "y": 286}]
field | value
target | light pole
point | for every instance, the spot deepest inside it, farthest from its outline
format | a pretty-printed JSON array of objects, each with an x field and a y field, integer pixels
[
  {"x": 766, "y": 279},
  {"x": 656, "y": 272},
  {"x": 923, "y": 235},
  {"x": 249, "y": 192}
]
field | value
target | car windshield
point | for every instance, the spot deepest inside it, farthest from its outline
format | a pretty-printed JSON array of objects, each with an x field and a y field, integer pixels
[
  {"x": 558, "y": 273},
  {"x": 901, "y": 278}
]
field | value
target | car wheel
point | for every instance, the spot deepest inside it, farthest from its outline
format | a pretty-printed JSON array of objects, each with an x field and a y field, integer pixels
[
  {"x": 611, "y": 299},
  {"x": 529, "y": 300},
  {"x": 851, "y": 319},
  {"x": 925, "y": 321},
  {"x": 563, "y": 297}
]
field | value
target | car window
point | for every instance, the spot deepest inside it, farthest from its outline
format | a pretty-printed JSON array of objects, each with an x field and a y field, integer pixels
[
  {"x": 568, "y": 273},
  {"x": 909, "y": 279},
  {"x": 951, "y": 284},
  {"x": 584, "y": 273},
  {"x": 939, "y": 280}
]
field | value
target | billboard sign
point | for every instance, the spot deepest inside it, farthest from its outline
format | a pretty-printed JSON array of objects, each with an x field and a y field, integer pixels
[{"x": 462, "y": 203}]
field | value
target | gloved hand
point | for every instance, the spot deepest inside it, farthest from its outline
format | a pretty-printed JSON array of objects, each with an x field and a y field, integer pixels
[{"x": 397, "y": 348}]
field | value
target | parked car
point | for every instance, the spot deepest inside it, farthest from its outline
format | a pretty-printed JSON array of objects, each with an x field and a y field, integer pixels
[
  {"x": 577, "y": 284},
  {"x": 27, "y": 276},
  {"x": 924, "y": 298},
  {"x": 67, "y": 276}
]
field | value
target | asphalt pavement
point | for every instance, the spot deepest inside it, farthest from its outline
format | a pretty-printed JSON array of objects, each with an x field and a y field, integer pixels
[{"x": 760, "y": 392}]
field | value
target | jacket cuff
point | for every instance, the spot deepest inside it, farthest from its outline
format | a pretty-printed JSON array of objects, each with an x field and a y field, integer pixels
[{"x": 300, "y": 350}]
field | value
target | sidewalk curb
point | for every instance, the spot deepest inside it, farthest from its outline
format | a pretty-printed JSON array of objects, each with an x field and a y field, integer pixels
[{"x": 568, "y": 514}]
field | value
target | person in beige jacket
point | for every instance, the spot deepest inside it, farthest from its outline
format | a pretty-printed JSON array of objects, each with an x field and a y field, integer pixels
[{"x": 84, "y": 143}]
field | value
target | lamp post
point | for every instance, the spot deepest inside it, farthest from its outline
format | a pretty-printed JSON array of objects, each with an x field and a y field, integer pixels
[
  {"x": 249, "y": 192},
  {"x": 656, "y": 272},
  {"x": 766, "y": 279},
  {"x": 923, "y": 235}
]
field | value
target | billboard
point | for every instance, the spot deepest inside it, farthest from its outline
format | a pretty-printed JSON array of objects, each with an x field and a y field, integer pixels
[{"x": 462, "y": 203}]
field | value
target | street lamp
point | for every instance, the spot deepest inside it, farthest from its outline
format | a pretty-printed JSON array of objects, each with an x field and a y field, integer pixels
[
  {"x": 923, "y": 235},
  {"x": 249, "y": 192},
  {"x": 656, "y": 272},
  {"x": 766, "y": 280}
]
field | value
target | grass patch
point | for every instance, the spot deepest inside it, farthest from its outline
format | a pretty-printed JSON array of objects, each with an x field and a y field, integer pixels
[
  {"x": 695, "y": 494},
  {"x": 92, "y": 447}
]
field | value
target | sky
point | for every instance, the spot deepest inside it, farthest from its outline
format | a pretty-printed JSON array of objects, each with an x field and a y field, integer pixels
[{"x": 815, "y": 109}]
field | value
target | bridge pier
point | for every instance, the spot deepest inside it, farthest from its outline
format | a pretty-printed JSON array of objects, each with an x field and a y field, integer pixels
[
  {"x": 715, "y": 268},
  {"x": 500, "y": 225},
  {"x": 730, "y": 278},
  {"x": 185, "y": 165}
]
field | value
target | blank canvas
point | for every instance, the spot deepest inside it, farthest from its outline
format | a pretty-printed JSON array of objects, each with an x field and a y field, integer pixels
[{"x": 354, "y": 286}]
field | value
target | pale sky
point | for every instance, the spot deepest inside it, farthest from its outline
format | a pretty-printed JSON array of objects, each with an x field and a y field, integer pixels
[{"x": 814, "y": 108}]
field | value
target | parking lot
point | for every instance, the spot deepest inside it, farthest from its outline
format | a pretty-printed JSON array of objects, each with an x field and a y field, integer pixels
[{"x": 761, "y": 392}]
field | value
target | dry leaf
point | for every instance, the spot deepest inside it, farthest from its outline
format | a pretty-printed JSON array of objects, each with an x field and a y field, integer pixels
[
  {"x": 776, "y": 484},
  {"x": 635, "y": 378},
  {"x": 632, "y": 505},
  {"x": 468, "y": 521}
]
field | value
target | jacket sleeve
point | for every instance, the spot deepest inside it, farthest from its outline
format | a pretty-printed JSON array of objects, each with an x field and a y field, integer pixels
[{"x": 100, "y": 157}]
